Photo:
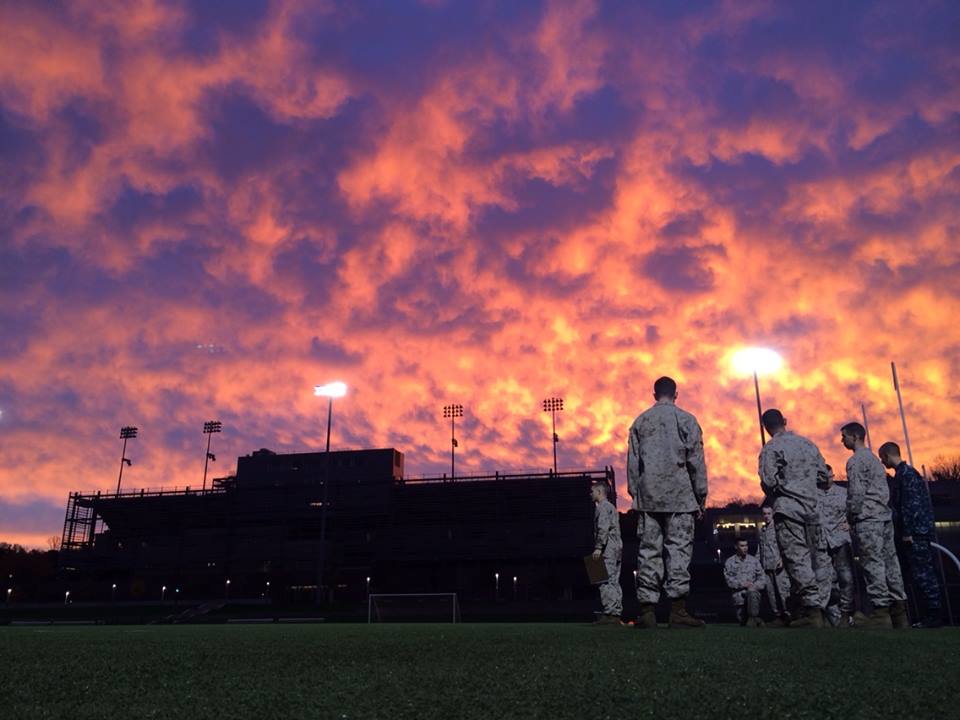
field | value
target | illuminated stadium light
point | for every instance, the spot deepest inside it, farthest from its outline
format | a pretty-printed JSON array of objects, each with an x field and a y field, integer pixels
[
  {"x": 453, "y": 412},
  {"x": 330, "y": 390},
  {"x": 127, "y": 432},
  {"x": 553, "y": 406},
  {"x": 209, "y": 428},
  {"x": 762, "y": 361}
]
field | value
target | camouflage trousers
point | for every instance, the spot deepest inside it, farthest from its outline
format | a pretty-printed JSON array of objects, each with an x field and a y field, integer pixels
[
  {"x": 795, "y": 540},
  {"x": 611, "y": 595},
  {"x": 662, "y": 535},
  {"x": 878, "y": 558},
  {"x": 922, "y": 571},
  {"x": 747, "y": 603},
  {"x": 778, "y": 590},
  {"x": 841, "y": 559},
  {"x": 823, "y": 571}
]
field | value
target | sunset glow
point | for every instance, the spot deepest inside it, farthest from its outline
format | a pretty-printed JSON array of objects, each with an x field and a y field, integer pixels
[{"x": 208, "y": 208}]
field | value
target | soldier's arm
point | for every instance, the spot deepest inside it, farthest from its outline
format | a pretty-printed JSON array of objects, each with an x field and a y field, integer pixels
[
  {"x": 823, "y": 472},
  {"x": 603, "y": 528},
  {"x": 730, "y": 577},
  {"x": 697, "y": 464},
  {"x": 914, "y": 503},
  {"x": 767, "y": 468},
  {"x": 855, "y": 487},
  {"x": 634, "y": 464}
]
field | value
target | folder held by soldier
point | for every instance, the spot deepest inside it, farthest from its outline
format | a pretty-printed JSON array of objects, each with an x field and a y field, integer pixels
[{"x": 596, "y": 569}]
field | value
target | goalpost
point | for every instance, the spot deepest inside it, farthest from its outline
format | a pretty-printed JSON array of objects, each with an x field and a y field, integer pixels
[{"x": 413, "y": 607}]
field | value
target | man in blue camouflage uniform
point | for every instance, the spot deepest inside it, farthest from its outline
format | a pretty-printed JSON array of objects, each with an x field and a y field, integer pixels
[
  {"x": 913, "y": 521},
  {"x": 867, "y": 498}
]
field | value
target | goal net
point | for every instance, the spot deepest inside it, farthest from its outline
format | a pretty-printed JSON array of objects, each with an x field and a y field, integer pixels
[{"x": 413, "y": 607}]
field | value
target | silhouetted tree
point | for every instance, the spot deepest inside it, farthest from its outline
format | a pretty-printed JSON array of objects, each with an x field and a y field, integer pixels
[{"x": 946, "y": 469}]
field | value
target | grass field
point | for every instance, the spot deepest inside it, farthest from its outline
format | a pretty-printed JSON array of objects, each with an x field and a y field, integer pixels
[{"x": 474, "y": 671}]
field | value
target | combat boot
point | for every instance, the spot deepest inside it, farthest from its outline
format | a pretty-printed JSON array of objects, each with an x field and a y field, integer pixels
[
  {"x": 879, "y": 619},
  {"x": 898, "y": 615},
  {"x": 930, "y": 621},
  {"x": 846, "y": 621},
  {"x": 809, "y": 617},
  {"x": 646, "y": 617},
  {"x": 680, "y": 619},
  {"x": 777, "y": 622}
]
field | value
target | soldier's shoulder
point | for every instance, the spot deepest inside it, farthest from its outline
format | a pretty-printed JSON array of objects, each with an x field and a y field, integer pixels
[{"x": 685, "y": 416}]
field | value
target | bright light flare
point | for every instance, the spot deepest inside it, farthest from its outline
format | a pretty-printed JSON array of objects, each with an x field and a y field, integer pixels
[
  {"x": 756, "y": 360},
  {"x": 331, "y": 390}
]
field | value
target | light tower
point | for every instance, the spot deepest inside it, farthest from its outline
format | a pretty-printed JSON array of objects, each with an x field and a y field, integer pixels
[
  {"x": 330, "y": 391},
  {"x": 553, "y": 406},
  {"x": 453, "y": 412},
  {"x": 209, "y": 428},
  {"x": 127, "y": 432}
]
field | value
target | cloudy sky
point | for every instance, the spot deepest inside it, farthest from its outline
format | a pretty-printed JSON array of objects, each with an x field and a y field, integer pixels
[{"x": 207, "y": 208}]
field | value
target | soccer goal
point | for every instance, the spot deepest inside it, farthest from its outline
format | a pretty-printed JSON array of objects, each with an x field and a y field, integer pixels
[{"x": 413, "y": 607}]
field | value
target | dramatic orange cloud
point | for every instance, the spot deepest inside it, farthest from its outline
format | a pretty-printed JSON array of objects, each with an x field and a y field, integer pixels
[{"x": 208, "y": 208}]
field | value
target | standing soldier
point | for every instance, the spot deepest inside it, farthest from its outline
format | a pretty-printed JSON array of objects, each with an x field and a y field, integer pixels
[
  {"x": 836, "y": 533},
  {"x": 790, "y": 466},
  {"x": 867, "y": 496},
  {"x": 778, "y": 582},
  {"x": 608, "y": 545},
  {"x": 913, "y": 517},
  {"x": 667, "y": 479},
  {"x": 744, "y": 576}
]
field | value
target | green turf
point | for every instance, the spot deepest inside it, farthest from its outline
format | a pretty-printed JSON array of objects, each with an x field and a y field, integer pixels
[{"x": 474, "y": 671}]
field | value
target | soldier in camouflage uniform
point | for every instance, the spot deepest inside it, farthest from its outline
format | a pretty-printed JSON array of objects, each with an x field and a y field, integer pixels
[
  {"x": 913, "y": 520},
  {"x": 667, "y": 479},
  {"x": 790, "y": 467},
  {"x": 836, "y": 537},
  {"x": 867, "y": 496},
  {"x": 607, "y": 545},
  {"x": 744, "y": 576},
  {"x": 778, "y": 582}
]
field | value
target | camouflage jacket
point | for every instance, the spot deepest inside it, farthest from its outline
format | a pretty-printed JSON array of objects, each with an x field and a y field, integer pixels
[
  {"x": 790, "y": 468},
  {"x": 912, "y": 513},
  {"x": 606, "y": 526},
  {"x": 867, "y": 490},
  {"x": 739, "y": 572},
  {"x": 769, "y": 550},
  {"x": 666, "y": 470},
  {"x": 833, "y": 516}
]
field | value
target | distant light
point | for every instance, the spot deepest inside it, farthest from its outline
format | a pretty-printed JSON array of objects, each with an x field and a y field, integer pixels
[
  {"x": 756, "y": 360},
  {"x": 331, "y": 390}
]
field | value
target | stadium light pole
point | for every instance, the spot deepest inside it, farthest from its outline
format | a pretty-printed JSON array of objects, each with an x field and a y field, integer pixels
[
  {"x": 226, "y": 589},
  {"x": 757, "y": 361},
  {"x": 163, "y": 593},
  {"x": 113, "y": 592},
  {"x": 514, "y": 587},
  {"x": 496, "y": 586},
  {"x": 66, "y": 597},
  {"x": 209, "y": 428},
  {"x": 127, "y": 432},
  {"x": 453, "y": 412},
  {"x": 330, "y": 391},
  {"x": 553, "y": 406}
]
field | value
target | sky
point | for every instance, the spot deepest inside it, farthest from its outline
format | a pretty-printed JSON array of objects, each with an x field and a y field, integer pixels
[{"x": 208, "y": 208}]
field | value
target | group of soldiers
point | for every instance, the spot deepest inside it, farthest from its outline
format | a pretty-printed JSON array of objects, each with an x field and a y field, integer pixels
[{"x": 805, "y": 562}]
